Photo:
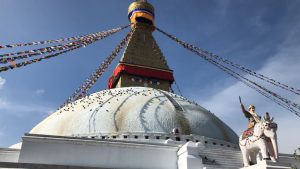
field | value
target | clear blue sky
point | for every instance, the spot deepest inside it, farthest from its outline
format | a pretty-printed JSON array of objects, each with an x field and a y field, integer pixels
[{"x": 262, "y": 35}]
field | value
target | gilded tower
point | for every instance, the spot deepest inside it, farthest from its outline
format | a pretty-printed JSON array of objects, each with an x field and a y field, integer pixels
[{"x": 142, "y": 63}]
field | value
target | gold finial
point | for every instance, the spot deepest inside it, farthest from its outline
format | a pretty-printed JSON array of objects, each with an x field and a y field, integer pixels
[{"x": 141, "y": 11}]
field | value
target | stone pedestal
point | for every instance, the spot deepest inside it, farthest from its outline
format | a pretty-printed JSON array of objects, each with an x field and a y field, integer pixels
[
  {"x": 95, "y": 153},
  {"x": 188, "y": 157},
  {"x": 268, "y": 165}
]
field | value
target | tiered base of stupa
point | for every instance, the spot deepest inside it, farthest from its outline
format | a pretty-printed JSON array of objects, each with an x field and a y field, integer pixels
[
  {"x": 130, "y": 150},
  {"x": 266, "y": 164}
]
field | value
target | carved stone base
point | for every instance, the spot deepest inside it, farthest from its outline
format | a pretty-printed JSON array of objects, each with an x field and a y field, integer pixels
[{"x": 266, "y": 164}]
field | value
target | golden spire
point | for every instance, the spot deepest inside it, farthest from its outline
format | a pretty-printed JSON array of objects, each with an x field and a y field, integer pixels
[{"x": 142, "y": 63}]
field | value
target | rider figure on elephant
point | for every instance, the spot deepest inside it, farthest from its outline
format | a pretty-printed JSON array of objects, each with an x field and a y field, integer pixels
[
  {"x": 259, "y": 138},
  {"x": 252, "y": 117}
]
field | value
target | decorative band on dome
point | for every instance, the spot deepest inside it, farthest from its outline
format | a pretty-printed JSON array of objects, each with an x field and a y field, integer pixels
[
  {"x": 143, "y": 71},
  {"x": 139, "y": 71},
  {"x": 141, "y": 15},
  {"x": 140, "y": 10}
]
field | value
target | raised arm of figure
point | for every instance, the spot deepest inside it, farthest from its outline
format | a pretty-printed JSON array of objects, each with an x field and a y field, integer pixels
[{"x": 246, "y": 113}]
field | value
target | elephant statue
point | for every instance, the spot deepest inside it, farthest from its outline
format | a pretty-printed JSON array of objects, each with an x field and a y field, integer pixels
[{"x": 263, "y": 140}]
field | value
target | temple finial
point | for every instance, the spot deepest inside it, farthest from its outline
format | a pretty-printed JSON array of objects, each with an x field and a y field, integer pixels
[{"x": 141, "y": 11}]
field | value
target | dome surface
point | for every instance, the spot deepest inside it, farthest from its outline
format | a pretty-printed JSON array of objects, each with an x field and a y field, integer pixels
[{"x": 134, "y": 109}]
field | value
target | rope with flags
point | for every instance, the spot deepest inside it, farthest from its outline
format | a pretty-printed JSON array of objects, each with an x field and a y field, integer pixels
[
  {"x": 80, "y": 37},
  {"x": 42, "y": 51},
  {"x": 91, "y": 80},
  {"x": 83, "y": 42},
  {"x": 286, "y": 103},
  {"x": 250, "y": 72},
  {"x": 244, "y": 69},
  {"x": 52, "y": 48},
  {"x": 177, "y": 87}
]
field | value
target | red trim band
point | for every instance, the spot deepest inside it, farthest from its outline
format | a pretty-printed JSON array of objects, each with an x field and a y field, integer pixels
[{"x": 140, "y": 71}]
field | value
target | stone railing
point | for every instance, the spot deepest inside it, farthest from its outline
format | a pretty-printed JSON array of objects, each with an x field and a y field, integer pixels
[{"x": 165, "y": 138}]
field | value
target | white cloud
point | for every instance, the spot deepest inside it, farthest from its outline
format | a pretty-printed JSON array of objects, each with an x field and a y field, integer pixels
[
  {"x": 21, "y": 109},
  {"x": 3, "y": 103},
  {"x": 39, "y": 91},
  {"x": 1, "y": 133},
  {"x": 50, "y": 111},
  {"x": 283, "y": 66},
  {"x": 2, "y": 129},
  {"x": 2, "y": 82}
]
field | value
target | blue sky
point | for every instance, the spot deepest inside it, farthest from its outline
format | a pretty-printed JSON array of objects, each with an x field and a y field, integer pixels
[{"x": 262, "y": 35}]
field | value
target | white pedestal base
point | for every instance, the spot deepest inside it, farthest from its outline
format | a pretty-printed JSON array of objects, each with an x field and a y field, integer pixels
[{"x": 268, "y": 165}]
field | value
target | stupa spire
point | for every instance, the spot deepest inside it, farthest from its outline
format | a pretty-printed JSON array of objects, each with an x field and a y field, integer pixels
[{"x": 142, "y": 63}]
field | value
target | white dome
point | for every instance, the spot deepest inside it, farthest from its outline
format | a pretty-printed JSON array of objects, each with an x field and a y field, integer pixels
[{"x": 134, "y": 109}]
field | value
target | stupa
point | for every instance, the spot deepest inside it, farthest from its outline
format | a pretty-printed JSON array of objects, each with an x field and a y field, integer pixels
[{"x": 136, "y": 123}]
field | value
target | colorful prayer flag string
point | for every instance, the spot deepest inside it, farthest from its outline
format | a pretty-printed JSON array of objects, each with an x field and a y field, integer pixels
[
  {"x": 89, "y": 82},
  {"x": 244, "y": 69},
  {"x": 286, "y": 103},
  {"x": 50, "y": 41},
  {"x": 46, "y": 49},
  {"x": 41, "y": 51},
  {"x": 52, "y": 49},
  {"x": 78, "y": 45}
]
